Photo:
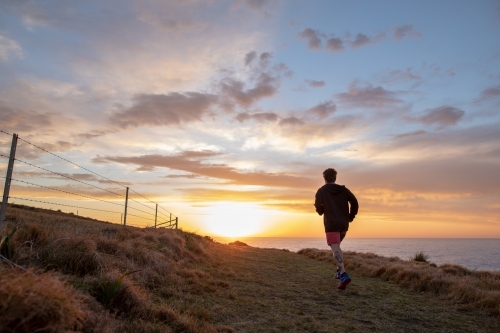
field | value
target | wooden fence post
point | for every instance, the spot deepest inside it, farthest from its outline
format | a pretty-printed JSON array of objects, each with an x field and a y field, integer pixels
[
  {"x": 125, "y": 213},
  {"x": 8, "y": 179}
]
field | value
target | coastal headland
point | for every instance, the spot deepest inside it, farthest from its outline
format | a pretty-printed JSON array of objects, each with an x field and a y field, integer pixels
[{"x": 60, "y": 272}]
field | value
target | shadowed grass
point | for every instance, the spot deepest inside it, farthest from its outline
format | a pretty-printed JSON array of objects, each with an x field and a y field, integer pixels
[
  {"x": 43, "y": 303},
  {"x": 106, "y": 287}
]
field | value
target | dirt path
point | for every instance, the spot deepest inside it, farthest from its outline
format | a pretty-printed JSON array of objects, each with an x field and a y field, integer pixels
[{"x": 278, "y": 291}]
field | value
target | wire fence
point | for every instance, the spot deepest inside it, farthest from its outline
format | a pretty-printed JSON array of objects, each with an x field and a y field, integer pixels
[{"x": 39, "y": 180}]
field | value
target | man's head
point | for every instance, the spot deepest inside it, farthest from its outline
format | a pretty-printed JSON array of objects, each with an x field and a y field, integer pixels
[{"x": 330, "y": 175}]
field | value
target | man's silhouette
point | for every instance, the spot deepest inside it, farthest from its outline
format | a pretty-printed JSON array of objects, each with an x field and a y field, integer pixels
[{"x": 339, "y": 207}]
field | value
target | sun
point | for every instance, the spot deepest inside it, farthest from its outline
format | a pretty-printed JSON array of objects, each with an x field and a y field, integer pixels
[{"x": 235, "y": 219}]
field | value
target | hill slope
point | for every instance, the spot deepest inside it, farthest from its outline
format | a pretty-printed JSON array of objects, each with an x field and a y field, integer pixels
[{"x": 91, "y": 276}]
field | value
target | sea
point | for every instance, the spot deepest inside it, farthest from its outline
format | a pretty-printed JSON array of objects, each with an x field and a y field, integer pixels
[{"x": 472, "y": 253}]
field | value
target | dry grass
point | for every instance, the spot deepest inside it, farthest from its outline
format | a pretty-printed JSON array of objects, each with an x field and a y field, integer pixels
[
  {"x": 96, "y": 257},
  {"x": 42, "y": 303},
  {"x": 95, "y": 277},
  {"x": 478, "y": 289}
]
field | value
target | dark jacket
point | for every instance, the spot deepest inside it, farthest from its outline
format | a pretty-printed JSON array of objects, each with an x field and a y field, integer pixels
[{"x": 333, "y": 201}]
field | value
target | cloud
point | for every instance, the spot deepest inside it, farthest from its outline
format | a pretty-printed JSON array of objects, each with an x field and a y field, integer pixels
[
  {"x": 442, "y": 116},
  {"x": 394, "y": 76},
  {"x": 456, "y": 176},
  {"x": 266, "y": 86},
  {"x": 25, "y": 121},
  {"x": 95, "y": 133},
  {"x": 249, "y": 57},
  {"x": 258, "y": 117},
  {"x": 492, "y": 92},
  {"x": 405, "y": 31},
  {"x": 362, "y": 40},
  {"x": 313, "y": 38},
  {"x": 188, "y": 176},
  {"x": 335, "y": 44},
  {"x": 264, "y": 59},
  {"x": 282, "y": 69},
  {"x": 478, "y": 143},
  {"x": 257, "y": 4},
  {"x": 410, "y": 135},
  {"x": 290, "y": 200},
  {"x": 315, "y": 84},
  {"x": 186, "y": 162},
  {"x": 9, "y": 48},
  {"x": 291, "y": 121},
  {"x": 323, "y": 110},
  {"x": 164, "y": 109},
  {"x": 368, "y": 97},
  {"x": 30, "y": 152}
]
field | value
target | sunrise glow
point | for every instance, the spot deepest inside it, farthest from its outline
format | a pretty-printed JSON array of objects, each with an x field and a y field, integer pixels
[{"x": 233, "y": 219}]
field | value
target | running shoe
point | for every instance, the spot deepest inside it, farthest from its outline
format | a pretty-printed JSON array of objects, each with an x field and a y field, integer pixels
[
  {"x": 337, "y": 274},
  {"x": 345, "y": 279}
]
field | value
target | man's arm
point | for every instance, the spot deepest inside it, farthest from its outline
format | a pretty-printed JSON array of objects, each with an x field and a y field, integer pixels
[
  {"x": 318, "y": 203},
  {"x": 354, "y": 206}
]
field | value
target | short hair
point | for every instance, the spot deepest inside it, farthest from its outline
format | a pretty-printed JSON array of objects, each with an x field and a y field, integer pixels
[{"x": 330, "y": 175}]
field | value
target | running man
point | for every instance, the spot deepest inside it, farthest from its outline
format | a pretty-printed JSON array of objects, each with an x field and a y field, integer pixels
[{"x": 339, "y": 207}]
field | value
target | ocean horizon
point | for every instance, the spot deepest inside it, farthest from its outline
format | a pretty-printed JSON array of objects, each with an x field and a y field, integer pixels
[{"x": 472, "y": 253}]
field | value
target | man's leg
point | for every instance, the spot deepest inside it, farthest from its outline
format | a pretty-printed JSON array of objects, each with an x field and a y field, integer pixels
[
  {"x": 337, "y": 256},
  {"x": 334, "y": 240}
]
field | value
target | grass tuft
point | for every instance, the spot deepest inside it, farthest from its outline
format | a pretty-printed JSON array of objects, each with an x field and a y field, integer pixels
[
  {"x": 106, "y": 287},
  {"x": 72, "y": 256},
  {"x": 420, "y": 257},
  {"x": 43, "y": 303}
]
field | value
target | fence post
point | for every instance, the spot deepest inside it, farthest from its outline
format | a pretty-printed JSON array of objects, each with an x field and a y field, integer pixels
[
  {"x": 125, "y": 214},
  {"x": 176, "y": 222},
  {"x": 156, "y": 214},
  {"x": 6, "y": 189}
]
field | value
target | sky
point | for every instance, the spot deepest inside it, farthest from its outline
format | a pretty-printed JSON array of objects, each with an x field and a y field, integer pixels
[{"x": 226, "y": 113}]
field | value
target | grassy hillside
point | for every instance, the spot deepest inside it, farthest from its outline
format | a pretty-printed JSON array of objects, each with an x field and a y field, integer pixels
[{"x": 73, "y": 274}]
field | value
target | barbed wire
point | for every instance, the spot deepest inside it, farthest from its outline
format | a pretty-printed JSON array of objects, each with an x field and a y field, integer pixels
[
  {"x": 65, "y": 176},
  {"x": 84, "y": 196},
  {"x": 140, "y": 203},
  {"x": 163, "y": 214},
  {"x": 73, "y": 206},
  {"x": 142, "y": 196},
  {"x": 62, "y": 158},
  {"x": 147, "y": 200},
  {"x": 165, "y": 223},
  {"x": 141, "y": 217},
  {"x": 128, "y": 207},
  {"x": 158, "y": 213},
  {"x": 5, "y": 133},
  {"x": 55, "y": 189},
  {"x": 58, "y": 204},
  {"x": 166, "y": 210},
  {"x": 85, "y": 208}
]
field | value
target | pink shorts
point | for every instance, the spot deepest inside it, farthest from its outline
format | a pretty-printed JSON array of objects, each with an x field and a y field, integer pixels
[{"x": 334, "y": 237}]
